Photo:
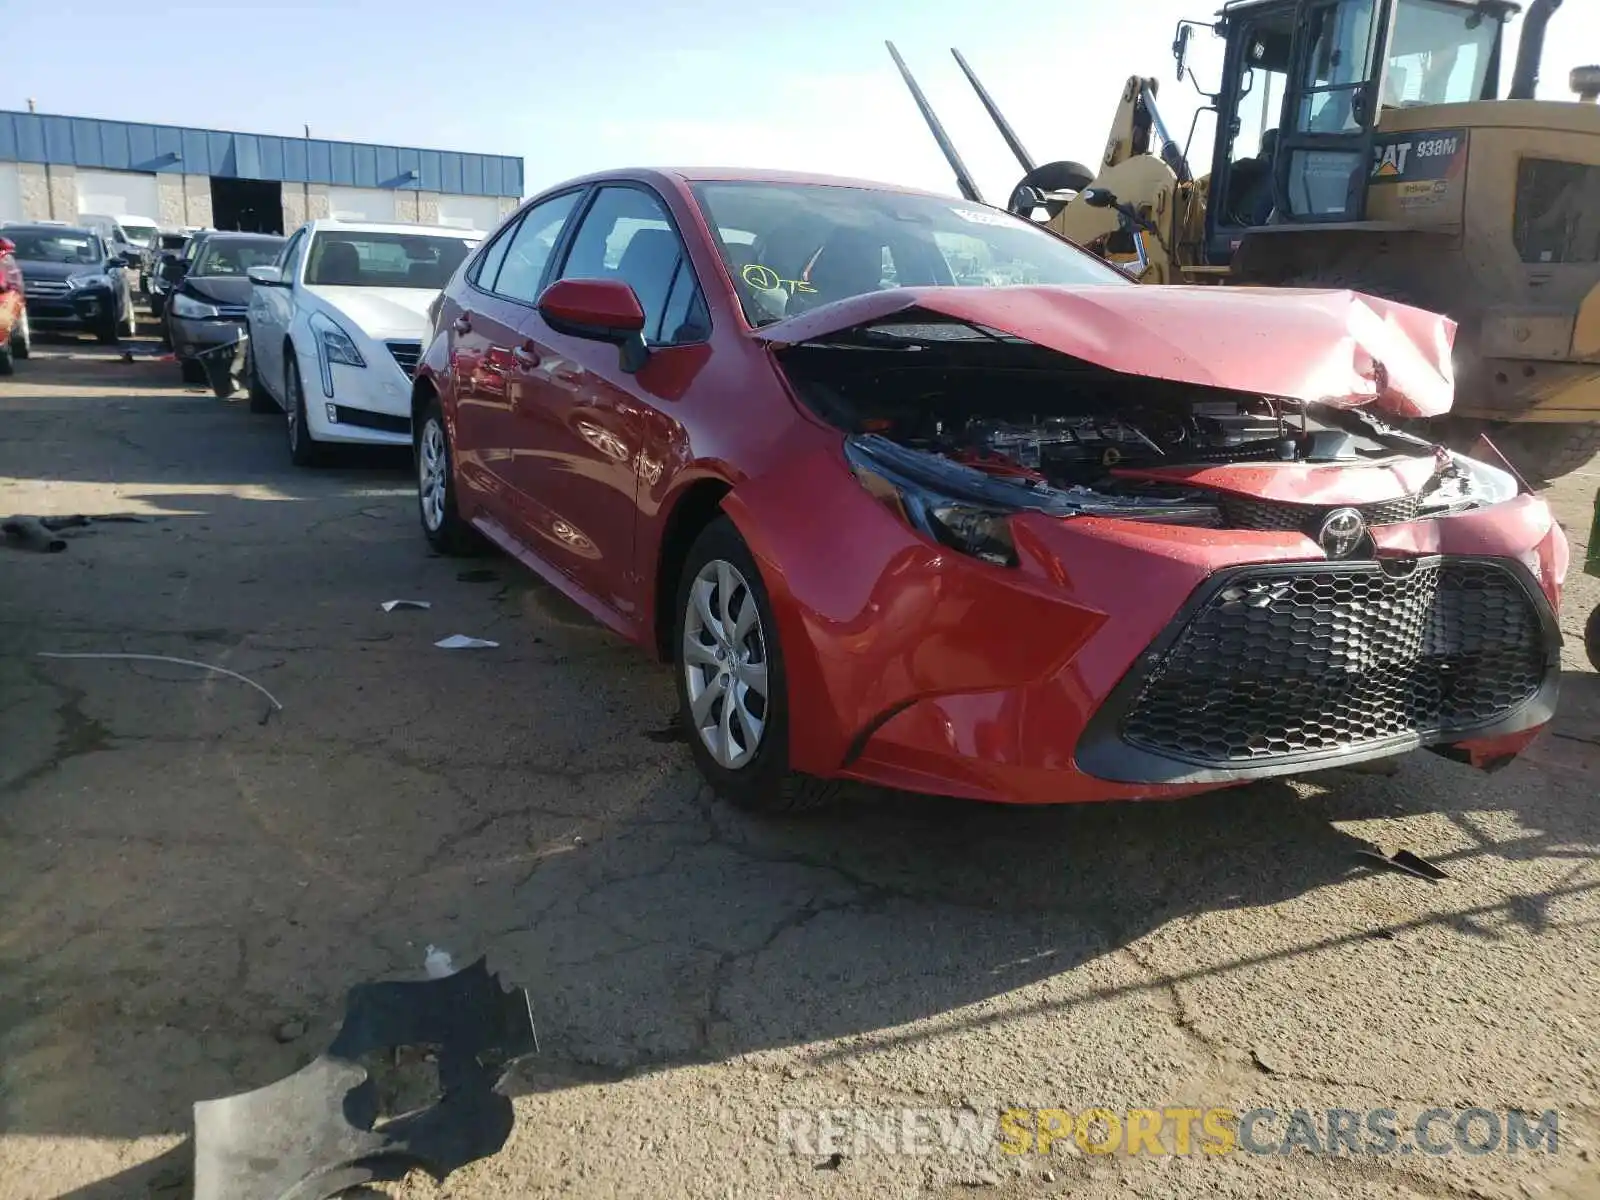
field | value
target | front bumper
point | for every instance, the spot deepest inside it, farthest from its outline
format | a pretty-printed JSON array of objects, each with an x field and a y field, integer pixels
[
  {"x": 193, "y": 336},
  {"x": 83, "y": 308},
  {"x": 915, "y": 667},
  {"x": 368, "y": 405}
]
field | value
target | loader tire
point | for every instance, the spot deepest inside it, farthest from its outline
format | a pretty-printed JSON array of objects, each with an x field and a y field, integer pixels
[{"x": 1542, "y": 452}]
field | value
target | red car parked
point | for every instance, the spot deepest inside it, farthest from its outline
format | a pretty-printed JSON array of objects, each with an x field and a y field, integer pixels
[{"x": 914, "y": 492}]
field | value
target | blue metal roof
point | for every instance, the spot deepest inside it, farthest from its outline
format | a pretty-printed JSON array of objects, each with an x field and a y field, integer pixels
[{"x": 129, "y": 146}]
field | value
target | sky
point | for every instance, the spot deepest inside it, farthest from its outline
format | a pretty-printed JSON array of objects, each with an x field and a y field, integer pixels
[{"x": 576, "y": 87}]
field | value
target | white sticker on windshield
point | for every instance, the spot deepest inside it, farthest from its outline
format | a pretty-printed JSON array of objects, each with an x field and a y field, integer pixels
[{"x": 978, "y": 217}]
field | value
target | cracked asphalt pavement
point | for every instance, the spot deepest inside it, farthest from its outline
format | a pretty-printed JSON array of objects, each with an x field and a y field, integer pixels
[{"x": 188, "y": 886}]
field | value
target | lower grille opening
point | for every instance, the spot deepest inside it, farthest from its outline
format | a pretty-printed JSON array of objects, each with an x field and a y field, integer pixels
[
  {"x": 1279, "y": 665},
  {"x": 372, "y": 420},
  {"x": 407, "y": 355}
]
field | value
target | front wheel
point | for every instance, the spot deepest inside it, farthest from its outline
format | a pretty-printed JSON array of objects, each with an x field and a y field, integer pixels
[
  {"x": 1591, "y": 638},
  {"x": 732, "y": 690},
  {"x": 261, "y": 400},
  {"x": 303, "y": 448}
]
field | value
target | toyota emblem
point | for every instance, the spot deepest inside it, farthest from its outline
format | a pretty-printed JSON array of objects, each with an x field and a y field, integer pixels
[{"x": 1341, "y": 532}]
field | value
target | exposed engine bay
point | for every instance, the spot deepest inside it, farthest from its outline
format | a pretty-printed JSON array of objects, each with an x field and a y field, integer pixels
[{"x": 1014, "y": 425}]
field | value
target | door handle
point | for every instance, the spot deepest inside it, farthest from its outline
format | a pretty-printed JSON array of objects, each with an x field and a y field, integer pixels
[
  {"x": 462, "y": 324},
  {"x": 527, "y": 357}
]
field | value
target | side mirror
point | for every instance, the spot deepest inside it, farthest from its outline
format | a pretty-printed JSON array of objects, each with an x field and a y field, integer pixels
[
  {"x": 602, "y": 310},
  {"x": 265, "y": 276},
  {"x": 1180, "y": 49},
  {"x": 1097, "y": 197}
]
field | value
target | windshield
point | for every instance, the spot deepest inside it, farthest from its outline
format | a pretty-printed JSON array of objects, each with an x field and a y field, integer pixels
[
  {"x": 1439, "y": 53},
  {"x": 791, "y": 247},
  {"x": 38, "y": 246},
  {"x": 139, "y": 235},
  {"x": 235, "y": 256},
  {"x": 355, "y": 258}
]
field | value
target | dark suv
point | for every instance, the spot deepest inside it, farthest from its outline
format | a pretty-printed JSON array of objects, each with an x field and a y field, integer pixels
[{"x": 73, "y": 280}]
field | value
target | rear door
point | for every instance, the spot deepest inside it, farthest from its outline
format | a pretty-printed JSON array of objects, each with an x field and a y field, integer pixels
[
  {"x": 1330, "y": 111},
  {"x": 486, "y": 344}
]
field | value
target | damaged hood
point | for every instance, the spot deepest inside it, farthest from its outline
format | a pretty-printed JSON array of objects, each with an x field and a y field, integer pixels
[{"x": 1333, "y": 347}]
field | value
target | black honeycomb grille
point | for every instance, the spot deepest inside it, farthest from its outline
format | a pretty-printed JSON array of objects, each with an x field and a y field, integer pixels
[
  {"x": 1277, "y": 665},
  {"x": 1245, "y": 512}
]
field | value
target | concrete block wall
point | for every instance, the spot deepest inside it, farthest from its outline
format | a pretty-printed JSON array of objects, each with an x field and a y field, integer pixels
[
  {"x": 169, "y": 200},
  {"x": 34, "y": 186},
  {"x": 197, "y": 200}
]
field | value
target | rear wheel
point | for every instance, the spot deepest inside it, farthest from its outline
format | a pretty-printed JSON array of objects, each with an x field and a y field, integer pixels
[
  {"x": 303, "y": 448},
  {"x": 732, "y": 690},
  {"x": 436, "y": 488}
]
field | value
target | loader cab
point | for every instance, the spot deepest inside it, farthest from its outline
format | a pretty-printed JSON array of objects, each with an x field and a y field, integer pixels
[{"x": 1303, "y": 87}]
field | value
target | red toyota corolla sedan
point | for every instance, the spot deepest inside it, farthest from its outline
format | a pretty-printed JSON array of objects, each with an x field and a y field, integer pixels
[{"x": 911, "y": 491}]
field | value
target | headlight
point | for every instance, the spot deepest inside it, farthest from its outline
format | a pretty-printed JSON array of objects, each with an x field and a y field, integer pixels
[
  {"x": 1467, "y": 483},
  {"x": 185, "y": 305},
  {"x": 334, "y": 345},
  {"x": 970, "y": 511},
  {"x": 337, "y": 345},
  {"x": 89, "y": 281}
]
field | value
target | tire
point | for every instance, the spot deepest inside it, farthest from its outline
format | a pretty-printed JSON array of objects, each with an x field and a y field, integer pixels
[
  {"x": 192, "y": 371},
  {"x": 7, "y": 365},
  {"x": 1591, "y": 638},
  {"x": 22, "y": 337},
  {"x": 107, "y": 332},
  {"x": 1543, "y": 452},
  {"x": 261, "y": 400},
  {"x": 303, "y": 448},
  {"x": 747, "y": 767},
  {"x": 436, "y": 488}
]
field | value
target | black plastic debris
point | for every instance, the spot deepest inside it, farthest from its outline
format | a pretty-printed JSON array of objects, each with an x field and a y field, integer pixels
[
  {"x": 316, "y": 1133},
  {"x": 1404, "y": 860},
  {"x": 30, "y": 533}
]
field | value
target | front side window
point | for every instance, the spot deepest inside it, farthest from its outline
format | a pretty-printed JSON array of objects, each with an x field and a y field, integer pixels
[
  {"x": 789, "y": 247},
  {"x": 528, "y": 252},
  {"x": 289, "y": 260},
  {"x": 139, "y": 235},
  {"x": 627, "y": 235},
  {"x": 235, "y": 256},
  {"x": 394, "y": 259}
]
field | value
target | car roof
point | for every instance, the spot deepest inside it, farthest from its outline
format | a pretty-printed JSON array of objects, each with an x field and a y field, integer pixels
[
  {"x": 52, "y": 227},
  {"x": 744, "y": 175},
  {"x": 224, "y": 234},
  {"x": 333, "y": 223}
]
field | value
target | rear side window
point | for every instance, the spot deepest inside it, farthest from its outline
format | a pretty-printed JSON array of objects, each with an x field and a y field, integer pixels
[
  {"x": 528, "y": 250},
  {"x": 488, "y": 264}
]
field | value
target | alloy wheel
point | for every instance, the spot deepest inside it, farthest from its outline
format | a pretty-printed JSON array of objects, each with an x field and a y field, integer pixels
[
  {"x": 725, "y": 664},
  {"x": 432, "y": 463}
]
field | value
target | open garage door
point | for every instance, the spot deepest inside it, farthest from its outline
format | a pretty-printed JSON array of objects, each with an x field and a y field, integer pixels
[
  {"x": 469, "y": 212},
  {"x": 360, "y": 204},
  {"x": 10, "y": 193},
  {"x": 118, "y": 193}
]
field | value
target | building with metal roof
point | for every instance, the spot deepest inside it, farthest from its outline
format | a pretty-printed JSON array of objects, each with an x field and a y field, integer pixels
[{"x": 56, "y": 168}]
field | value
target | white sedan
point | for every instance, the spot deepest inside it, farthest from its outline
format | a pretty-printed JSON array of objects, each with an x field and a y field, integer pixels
[{"x": 336, "y": 328}]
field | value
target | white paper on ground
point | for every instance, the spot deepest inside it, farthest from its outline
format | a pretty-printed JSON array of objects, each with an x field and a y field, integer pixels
[
  {"x": 460, "y": 641},
  {"x": 391, "y": 605}
]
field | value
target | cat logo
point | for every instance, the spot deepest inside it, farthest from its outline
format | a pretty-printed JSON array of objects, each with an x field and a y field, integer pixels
[{"x": 1391, "y": 160}]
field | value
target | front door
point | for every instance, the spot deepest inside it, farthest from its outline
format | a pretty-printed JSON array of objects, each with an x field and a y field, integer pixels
[
  {"x": 580, "y": 418},
  {"x": 1331, "y": 110},
  {"x": 271, "y": 307}
]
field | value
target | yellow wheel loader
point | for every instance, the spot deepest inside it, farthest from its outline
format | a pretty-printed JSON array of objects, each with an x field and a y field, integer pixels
[{"x": 1362, "y": 144}]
